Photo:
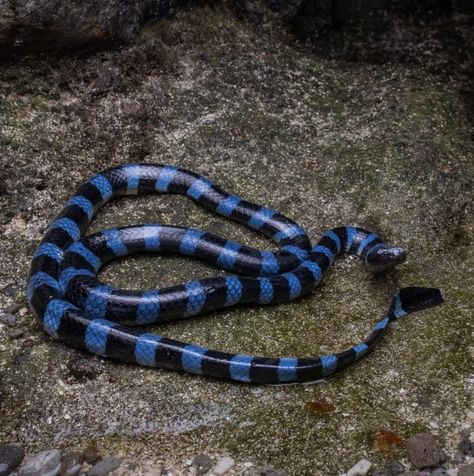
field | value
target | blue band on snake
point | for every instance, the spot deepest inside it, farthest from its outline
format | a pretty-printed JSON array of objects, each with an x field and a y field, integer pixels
[{"x": 73, "y": 306}]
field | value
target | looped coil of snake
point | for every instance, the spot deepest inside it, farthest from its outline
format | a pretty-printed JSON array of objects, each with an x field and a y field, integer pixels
[{"x": 73, "y": 306}]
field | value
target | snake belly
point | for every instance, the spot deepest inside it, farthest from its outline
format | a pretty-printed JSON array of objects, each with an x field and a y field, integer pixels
[{"x": 75, "y": 307}]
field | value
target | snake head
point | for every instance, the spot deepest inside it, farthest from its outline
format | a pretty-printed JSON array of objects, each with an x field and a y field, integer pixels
[{"x": 381, "y": 258}]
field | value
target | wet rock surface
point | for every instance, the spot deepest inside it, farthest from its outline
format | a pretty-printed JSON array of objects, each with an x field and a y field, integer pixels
[{"x": 326, "y": 142}]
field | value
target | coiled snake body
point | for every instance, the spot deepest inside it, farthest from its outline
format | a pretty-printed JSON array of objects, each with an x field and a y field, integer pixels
[{"x": 73, "y": 306}]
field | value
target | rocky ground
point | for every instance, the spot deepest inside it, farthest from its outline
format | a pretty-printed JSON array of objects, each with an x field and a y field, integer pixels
[{"x": 326, "y": 141}]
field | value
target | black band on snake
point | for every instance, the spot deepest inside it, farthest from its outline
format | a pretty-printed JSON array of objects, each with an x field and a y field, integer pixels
[{"x": 73, "y": 306}]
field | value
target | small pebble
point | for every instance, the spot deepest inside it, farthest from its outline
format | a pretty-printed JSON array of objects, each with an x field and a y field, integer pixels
[
  {"x": 394, "y": 468},
  {"x": 104, "y": 467},
  {"x": 8, "y": 319},
  {"x": 16, "y": 334},
  {"x": 91, "y": 454},
  {"x": 423, "y": 451},
  {"x": 10, "y": 457},
  {"x": 13, "y": 309},
  {"x": 44, "y": 463},
  {"x": 202, "y": 463},
  {"x": 223, "y": 465},
  {"x": 71, "y": 464},
  {"x": 390, "y": 468},
  {"x": 360, "y": 469},
  {"x": 84, "y": 368},
  {"x": 439, "y": 472},
  {"x": 465, "y": 447},
  {"x": 466, "y": 470}
]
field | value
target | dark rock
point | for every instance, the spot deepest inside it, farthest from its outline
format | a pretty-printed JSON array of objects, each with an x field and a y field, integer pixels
[
  {"x": 104, "y": 467},
  {"x": 7, "y": 318},
  {"x": 424, "y": 452},
  {"x": 313, "y": 17},
  {"x": 465, "y": 447},
  {"x": 84, "y": 367},
  {"x": 10, "y": 457},
  {"x": 71, "y": 464},
  {"x": 202, "y": 463},
  {"x": 464, "y": 7},
  {"x": 43, "y": 463},
  {"x": 32, "y": 25},
  {"x": 260, "y": 9},
  {"x": 467, "y": 470},
  {"x": 349, "y": 9},
  {"x": 91, "y": 454}
]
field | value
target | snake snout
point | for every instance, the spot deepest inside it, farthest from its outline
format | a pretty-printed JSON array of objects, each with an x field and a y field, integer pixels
[{"x": 382, "y": 258}]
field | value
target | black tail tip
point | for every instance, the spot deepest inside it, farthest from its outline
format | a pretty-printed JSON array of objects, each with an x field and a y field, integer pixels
[{"x": 414, "y": 299}]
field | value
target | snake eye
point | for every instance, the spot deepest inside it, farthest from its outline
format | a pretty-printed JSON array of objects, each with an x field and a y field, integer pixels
[{"x": 382, "y": 258}]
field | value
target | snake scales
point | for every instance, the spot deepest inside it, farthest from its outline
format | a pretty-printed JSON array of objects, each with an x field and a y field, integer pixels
[{"x": 73, "y": 306}]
